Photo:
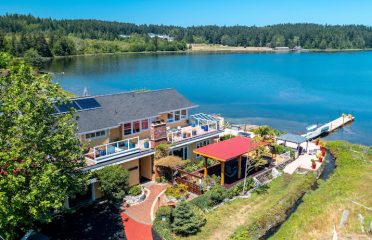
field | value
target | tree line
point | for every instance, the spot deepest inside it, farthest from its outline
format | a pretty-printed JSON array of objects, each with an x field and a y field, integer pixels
[{"x": 68, "y": 37}]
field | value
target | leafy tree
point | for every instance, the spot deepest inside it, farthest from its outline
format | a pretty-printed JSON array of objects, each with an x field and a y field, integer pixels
[
  {"x": 40, "y": 155},
  {"x": 33, "y": 58},
  {"x": 64, "y": 47},
  {"x": 113, "y": 182},
  {"x": 5, "y": 60},
  {"x": 187, "y": 220}
]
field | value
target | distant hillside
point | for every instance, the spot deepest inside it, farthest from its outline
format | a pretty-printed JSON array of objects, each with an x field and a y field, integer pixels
[{"x": 67, "y": 37}]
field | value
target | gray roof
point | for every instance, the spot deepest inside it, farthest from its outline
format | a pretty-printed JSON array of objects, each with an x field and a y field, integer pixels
[
  {"x": 128, "y": 106},
  {"x": 290, "y": 137}
]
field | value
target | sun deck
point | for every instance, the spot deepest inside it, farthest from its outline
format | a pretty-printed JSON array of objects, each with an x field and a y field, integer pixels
[{"x": 117, "y": 149}]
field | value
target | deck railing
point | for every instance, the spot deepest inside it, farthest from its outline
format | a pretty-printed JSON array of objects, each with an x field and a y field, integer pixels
[
  {"x": 188, "y": 132},
  {"x": 116, "y": 149}
]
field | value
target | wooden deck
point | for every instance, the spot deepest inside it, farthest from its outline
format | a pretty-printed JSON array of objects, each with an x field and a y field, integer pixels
[{"x": 329, "y": 127}]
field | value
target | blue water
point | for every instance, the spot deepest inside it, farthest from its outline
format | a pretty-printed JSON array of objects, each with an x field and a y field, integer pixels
[{"x": 287, "y": 91}]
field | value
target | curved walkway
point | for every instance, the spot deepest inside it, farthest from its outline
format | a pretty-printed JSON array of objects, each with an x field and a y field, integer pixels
[{"x": 137, "y": 219}]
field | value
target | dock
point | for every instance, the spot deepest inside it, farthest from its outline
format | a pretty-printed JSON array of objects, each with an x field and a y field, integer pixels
[{"x": 329, "y": 127}]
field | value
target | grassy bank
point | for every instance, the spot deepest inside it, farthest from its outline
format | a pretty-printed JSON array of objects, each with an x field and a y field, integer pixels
[
  {"x": 347, "y": 188},
  {"x": 255, "y": 215}
]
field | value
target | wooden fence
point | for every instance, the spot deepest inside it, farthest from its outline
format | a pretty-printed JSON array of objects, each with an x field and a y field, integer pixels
[{"x": 191, "y": 187}]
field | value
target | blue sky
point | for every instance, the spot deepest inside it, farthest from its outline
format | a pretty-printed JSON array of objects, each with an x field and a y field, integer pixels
[{"x": 200, "y": 12}]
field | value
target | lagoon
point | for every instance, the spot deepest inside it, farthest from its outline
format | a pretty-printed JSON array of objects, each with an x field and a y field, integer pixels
[{"x": 286, "y": 90}]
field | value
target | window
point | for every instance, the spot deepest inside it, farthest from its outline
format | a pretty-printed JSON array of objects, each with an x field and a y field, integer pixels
[
  {"x": 170, "y": 117},
  {"x": 127, "y": 128},
  {"x": 145, "y": 124},
  {"x": 183, "y": 114},
  {"x": 202, "y": 144},
  {"x": 177, "y": 116},
  {"x": 181, "y": 152},
  {"x": 136, "y": 127},
  {"x": 99, "y": 134}
]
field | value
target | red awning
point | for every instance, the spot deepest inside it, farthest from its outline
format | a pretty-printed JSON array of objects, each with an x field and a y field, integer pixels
[{"x": 229, "y": 149}]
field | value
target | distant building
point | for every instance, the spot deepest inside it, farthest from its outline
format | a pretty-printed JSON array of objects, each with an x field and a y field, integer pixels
[
  {"x": 161, "y": 36},
  {"x": 297, "y": 48},
  {"x": 124, "y": 36},
  {"x": 282, "y": 49}
]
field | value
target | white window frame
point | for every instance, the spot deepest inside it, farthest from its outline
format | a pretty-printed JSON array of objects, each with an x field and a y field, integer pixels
[
  {"x": 180, "y": 116},
  {"x": 95, "y": 133}
]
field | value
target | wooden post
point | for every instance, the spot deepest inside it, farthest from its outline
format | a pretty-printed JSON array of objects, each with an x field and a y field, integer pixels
[
  {"x": 205, "y": 167},
  {"x": 222, "y": 173},
  {"x": 239, "y": 167}
]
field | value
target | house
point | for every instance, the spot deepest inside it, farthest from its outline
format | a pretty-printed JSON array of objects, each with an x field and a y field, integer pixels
[
  {"x": 124, "y": 128},
  {"x": 161, "y": 36}
]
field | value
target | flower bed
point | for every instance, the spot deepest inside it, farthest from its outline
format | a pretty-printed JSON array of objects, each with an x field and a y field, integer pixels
[{"x": 139, "y": 195}]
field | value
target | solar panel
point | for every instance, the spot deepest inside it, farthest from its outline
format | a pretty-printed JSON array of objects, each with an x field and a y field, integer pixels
[
  {"x": 67, "y": 107},
  {"x": 87, "y": 103}
]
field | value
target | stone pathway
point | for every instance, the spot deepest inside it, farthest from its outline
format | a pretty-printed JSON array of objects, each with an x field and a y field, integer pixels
[
  {"x": 137, "y": 219},
  {"x": 141, "y": 212}
]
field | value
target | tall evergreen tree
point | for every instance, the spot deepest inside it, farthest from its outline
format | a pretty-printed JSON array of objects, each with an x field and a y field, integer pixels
[{"x": 42, "y": 46}]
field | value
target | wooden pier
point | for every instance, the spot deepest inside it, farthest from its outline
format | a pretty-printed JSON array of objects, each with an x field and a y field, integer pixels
[{"x": 329, "y": 127}]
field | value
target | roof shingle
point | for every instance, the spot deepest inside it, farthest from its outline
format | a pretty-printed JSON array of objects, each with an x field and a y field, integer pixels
[{"x": 128, "y": 106}]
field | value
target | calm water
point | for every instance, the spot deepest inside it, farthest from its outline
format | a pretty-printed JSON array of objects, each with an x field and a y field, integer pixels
[{"x": 287, "y": 91}]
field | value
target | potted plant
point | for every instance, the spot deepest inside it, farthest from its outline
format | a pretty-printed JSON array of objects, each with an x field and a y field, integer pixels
[
  {"x": 194, "y": 132},
  {"x": 313, "y": 164},
  {"x": 323, "y": 153},
  {"x": 320, "y": 159}
]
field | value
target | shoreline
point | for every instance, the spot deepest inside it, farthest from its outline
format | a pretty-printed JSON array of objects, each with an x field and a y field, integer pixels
[{"x": 215, "y": 50}]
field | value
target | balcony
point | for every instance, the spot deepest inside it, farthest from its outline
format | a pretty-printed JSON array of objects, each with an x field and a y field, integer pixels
[
  {"x": 117, "y": 149},
  {"x": 175, "y": 135}
]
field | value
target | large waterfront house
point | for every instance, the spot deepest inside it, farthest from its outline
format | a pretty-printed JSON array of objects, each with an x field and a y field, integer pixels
[{"x": 124, "y": 128}]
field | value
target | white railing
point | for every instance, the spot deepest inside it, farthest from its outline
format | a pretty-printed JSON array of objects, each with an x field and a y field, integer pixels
[
  {"x": 188, "y": 132},
  {"x": 119, "y": 148}
]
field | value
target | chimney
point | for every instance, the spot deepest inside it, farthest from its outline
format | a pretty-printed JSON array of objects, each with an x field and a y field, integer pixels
[{"x": 158, "y": 133}]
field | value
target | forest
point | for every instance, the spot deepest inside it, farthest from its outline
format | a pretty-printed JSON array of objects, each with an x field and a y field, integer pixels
[{"x": 50, "y": 37}]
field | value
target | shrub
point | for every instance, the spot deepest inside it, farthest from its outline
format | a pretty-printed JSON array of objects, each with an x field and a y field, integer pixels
[
  {"x": 113, "y": 182},
  {"x": 163, "y": 228},
  {"x": 161, "y": 179},
  {"x": 211, "y": 181},
  {"x": 190, "y": 166},
  {"x": 238, "y": 188},
  {"x": 165, "y": 211},
  {"x": 135, "y": 190},
  {"x": 187, "y": 219},
  {"x": 161, "y": 151},
  {"x": 177, "y": 191},
  {"x": 225, "y": 137},
  {"x": 216, "y": 195},
  {"x": 211, "y": 198}
]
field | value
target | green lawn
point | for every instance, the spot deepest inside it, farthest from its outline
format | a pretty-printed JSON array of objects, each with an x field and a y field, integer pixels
[
  {"x": 254, "y": 215},
  {"x": 322, "y": 209}
]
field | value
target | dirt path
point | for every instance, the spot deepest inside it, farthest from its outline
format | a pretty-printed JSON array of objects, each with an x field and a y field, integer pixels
[{"x": 231, "y": 223}]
